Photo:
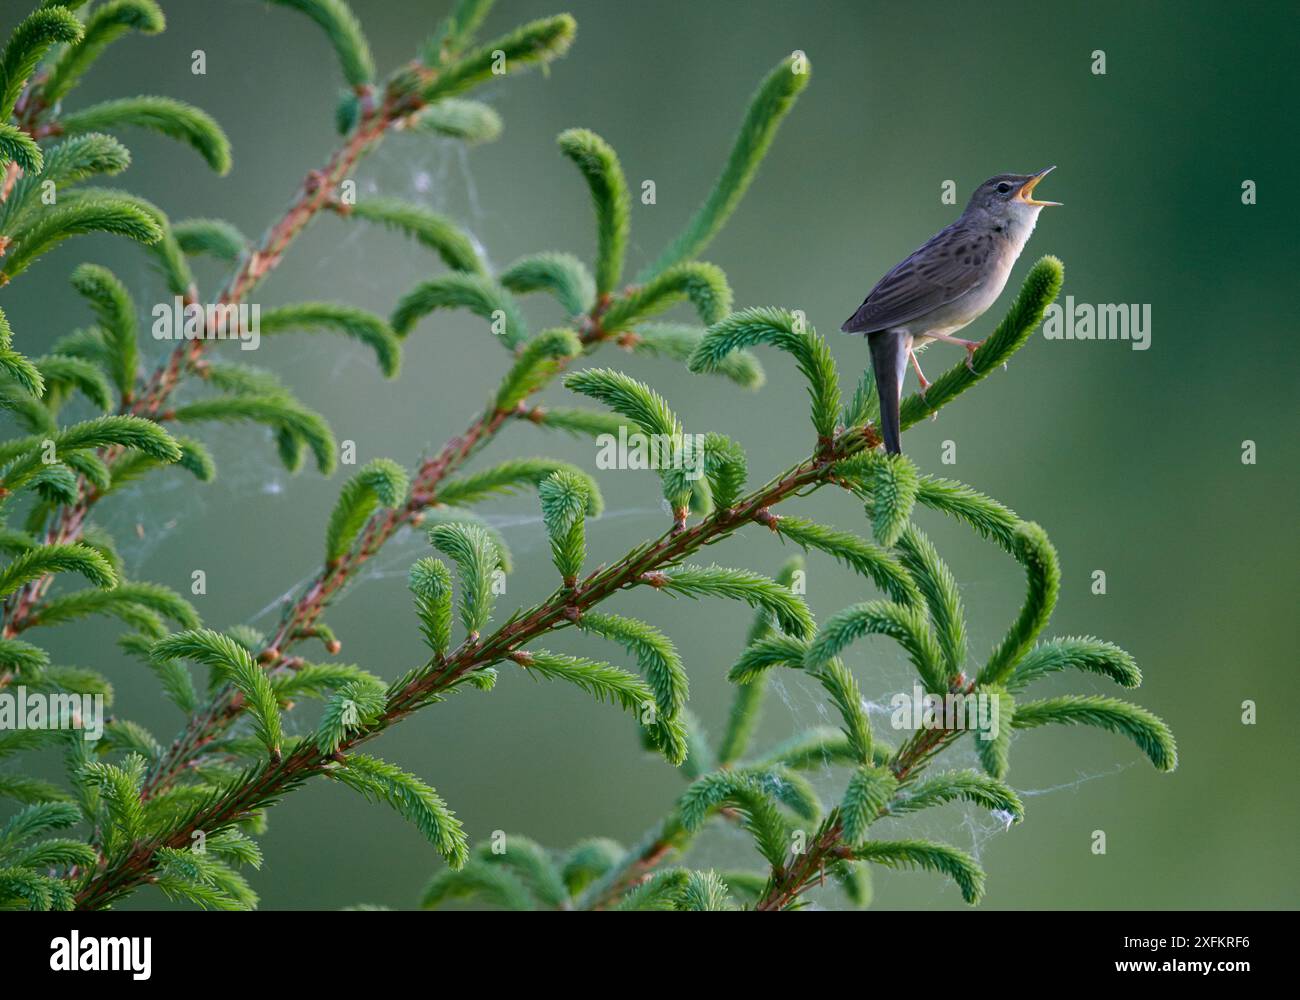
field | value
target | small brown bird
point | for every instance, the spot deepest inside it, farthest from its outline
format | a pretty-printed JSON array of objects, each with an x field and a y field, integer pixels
[{"x": 945, "y": 285}]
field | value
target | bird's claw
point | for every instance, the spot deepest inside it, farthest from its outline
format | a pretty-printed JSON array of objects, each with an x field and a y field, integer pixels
[{"x": 934, "y": 414}]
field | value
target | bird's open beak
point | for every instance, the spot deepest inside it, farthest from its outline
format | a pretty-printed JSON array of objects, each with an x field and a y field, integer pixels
[{"x": 1027, "y": 189}]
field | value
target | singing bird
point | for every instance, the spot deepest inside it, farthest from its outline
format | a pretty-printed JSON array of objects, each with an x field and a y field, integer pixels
[{"x": 944, "y": 286}]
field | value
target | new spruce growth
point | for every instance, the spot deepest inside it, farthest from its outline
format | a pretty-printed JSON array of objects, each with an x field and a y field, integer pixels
[{"x": 132, "y": 805}]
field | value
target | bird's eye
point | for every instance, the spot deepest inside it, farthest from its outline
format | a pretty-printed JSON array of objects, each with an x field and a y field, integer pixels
[{"x": 1004, "y": 187}]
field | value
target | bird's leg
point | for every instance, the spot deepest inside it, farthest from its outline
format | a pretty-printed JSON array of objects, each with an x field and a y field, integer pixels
[
  {"x": 920, "y": 377},
  {"x": 971, "y": 346}
]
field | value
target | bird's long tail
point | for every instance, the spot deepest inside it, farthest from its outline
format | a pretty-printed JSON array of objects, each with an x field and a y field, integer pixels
[{"x": 889, "y": 361}]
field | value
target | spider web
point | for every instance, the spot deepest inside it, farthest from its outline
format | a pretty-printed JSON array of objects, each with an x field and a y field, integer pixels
[{"x": 965, "y": 826}]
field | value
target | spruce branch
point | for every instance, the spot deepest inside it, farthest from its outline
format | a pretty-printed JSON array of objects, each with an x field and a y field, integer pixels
[
  {"x": 942, "y": 597},
  {"x": 536, "y": 43},
  {"x": 63, "y": 558},
  {"x": 31, "y": 39},
  {"x": 747, "y": 702},
  {"x": 102, "y": 212},
  {"x": 341, "y": 27},
  {"x": 1031, "y": 547},
  {"x": 561, "y": 274},
  {"x": 381, "y": 482},
  {"x": 429, "y": 229},
  {"x": 678, "y": 342},
  {"x": 469, "y": 121},
  {"x": 1150, "y": 734},
  {"x": 657, "y": 658},
  {"x": 648, "y": 564},
  {"x": 19, "y": 149},
  {"x": 702, "y": 283},
  {"x": 397, "y": 111},
  {"x": 214, "y": 237},
  {"x": 95, "y": 211},
  {"x": 143, "y": 811},
  {"x": 599, "y": 165},
  {"x": 565, "y": 499},
  {"x": 784, "y": 330},
  {"x": 164, "y": 115},
  {"x": 1085, "y": 653},
  {"x": 542, "y": 359},
  {"x": 357, "y": 324},
  {"x": 767, "y": 109},
  {"x": 273, "y": 780},
  {"x": 117, "y": 318},
  {"x": 481, "y": 295},
  {"x": 858, "y": 554},
  {"x": 105, "y": 24}
]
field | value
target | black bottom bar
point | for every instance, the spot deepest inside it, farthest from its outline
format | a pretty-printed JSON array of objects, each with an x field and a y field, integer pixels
[{"x": 335, "y": 950}]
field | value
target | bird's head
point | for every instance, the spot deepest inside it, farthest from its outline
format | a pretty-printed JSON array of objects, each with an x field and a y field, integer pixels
[{"x": 1010, "y": 196}]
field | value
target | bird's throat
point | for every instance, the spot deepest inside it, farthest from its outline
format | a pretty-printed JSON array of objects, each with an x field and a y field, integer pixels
[{"x": 1019, "y": 227}]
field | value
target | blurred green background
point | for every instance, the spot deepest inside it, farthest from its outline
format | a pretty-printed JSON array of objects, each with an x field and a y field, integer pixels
[{"x": 1131, "y": 460}]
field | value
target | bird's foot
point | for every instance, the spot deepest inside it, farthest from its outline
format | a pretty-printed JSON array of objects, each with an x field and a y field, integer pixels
[
  {"x": 971, "y": 347},
  {"x": 922, "y": 386},
  {"x": 920, "y": 375},
  {"x": 924, "y": 383},
  {"x": 934, "y": 414}
]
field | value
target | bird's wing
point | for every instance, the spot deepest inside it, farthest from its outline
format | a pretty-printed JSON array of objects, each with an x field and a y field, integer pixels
[{"x": 946, "y": 268}]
